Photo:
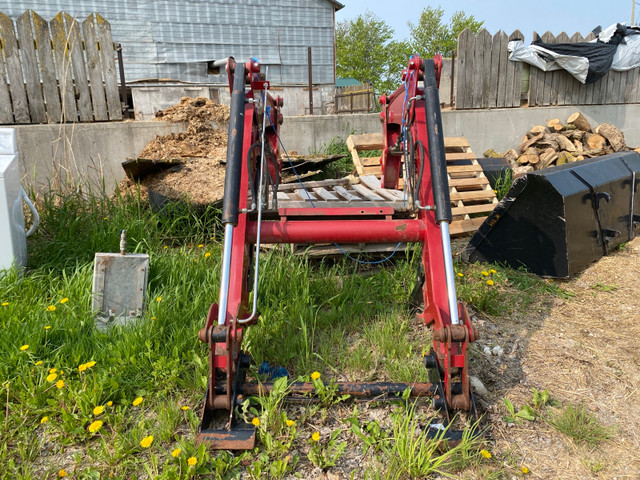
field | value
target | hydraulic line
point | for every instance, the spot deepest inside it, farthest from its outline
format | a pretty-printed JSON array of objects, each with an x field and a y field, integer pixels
[{"x": 254, "y": 310}]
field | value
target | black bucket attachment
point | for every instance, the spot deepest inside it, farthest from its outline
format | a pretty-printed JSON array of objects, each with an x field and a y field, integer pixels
[{"x": 556, "y": 221}]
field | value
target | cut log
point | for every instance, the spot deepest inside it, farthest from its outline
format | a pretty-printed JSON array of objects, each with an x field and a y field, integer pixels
[
  {"x": 547, "y": 158},
  {"x": 548, "y": 141},
  {"x": 558, "y": 127},
  {"x": 525, "y": 145},
  {"x": 536, "y": 130},
  {"x": 594, "y": 141},
  {"x": 579, "y": 121},
  {"x": 563, "y": 142},
  {"x": 592, "y": 153},
  {"x": 491, "y": 153},
  {"x": 530, "y": 156},
  {"x": 511, "y": 156},
  {"x": 573, "y": 134},
  {"x": 613, "y": 135},
  {"x": 565, "y": 157},
  {"x": 552, "y": 122},
  {"x": 579, "y": 146},
  {"x": 580, "y": 157},
  {"x": 521, "y": 171},
  {"x": 637, "y": 149}
]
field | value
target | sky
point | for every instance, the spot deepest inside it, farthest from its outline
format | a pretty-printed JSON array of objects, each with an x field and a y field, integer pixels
[{"x": 507, "y": 15}]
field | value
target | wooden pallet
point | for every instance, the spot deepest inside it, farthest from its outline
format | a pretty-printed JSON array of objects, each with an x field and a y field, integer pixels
[{"x": 470, "y": 191}]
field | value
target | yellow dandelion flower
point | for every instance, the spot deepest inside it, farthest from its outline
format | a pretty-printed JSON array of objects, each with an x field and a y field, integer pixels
[
  {"x": 4, "y": 304},
  {"x": 95, "y": 426},
  {"x": 315, "y": 437},
  {"x": 525, "y": 470},
  {"x": 44, "y": 419},
  {"x": 195, "y": 260},
  {"x": 82, "y": 368},
  {"x": 192, "y": 461},
  {"x": 492, "y": 271},
  {"x": 24, "y": 347},
  {"x": 185, "y": 408},
  {"x": 53, "y": 370},
  {"x": 64, "y": 300},
  {"x": 460, "y": 274},
  {"x": 90, "y": 364},
  {"x": 146, "y": 441},
  {"x": 207, "y": 255},
  {"x": 47, "y": 327},
  {"x": 315, "y": 375},
  {"x": 290, "y": 423},
  {"x": 175, "y": 452},
  {"x": 51, "y": 377},
  {"x": 39, "y": 362},
  {"x": 62, "y": 473},
  {"x": 98, "y": 410},
  {"x": 51, "y": 308},
  {"x": 484, "y": 274},
  {"x": 256, "y": 421},
  {"x": 153, "y": 318},
  {"x": 159, "y": 299},
  {"x": 137, "y": 401},
  {"x": 201, "y": 245},
  {"x": 166, "y": 246},
  {"x": 109, "y": 403},
  {"x": 490, "y": 282},
  {"x": 60, "y": 383},
  {"x": 485, "y": 453}
]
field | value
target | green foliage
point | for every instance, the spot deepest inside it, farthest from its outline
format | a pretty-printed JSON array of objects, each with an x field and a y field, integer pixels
[
  {"x": 365, "y": 51},
  {"x": 526, "y": 412},
  {"x": 431, "y": 35},
  {"x": 503, "y": 183},
  {"x": 581, "y": 425},
  {"x": 325, "y": 454}
]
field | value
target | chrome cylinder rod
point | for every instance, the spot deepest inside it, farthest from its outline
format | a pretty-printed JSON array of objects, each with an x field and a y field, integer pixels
[
  {"x": 226, "y": 273},
  {"x": 449, "y": 274}
]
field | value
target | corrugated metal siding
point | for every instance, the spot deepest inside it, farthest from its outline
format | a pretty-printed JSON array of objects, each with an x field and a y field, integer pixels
[{"x": 174, "y": 39}]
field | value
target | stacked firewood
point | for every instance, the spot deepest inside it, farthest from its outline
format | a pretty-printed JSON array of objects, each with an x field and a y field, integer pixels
[{"x": 557, "y": 143}]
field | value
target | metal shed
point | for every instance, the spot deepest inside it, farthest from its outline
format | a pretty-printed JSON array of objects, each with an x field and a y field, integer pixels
[{"x": 174, "y": 39}]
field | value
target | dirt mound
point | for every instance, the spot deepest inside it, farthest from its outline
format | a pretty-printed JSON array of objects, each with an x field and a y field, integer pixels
[
  {"x": 195, "y": 111},
  {"x": 203, "y": 147}
]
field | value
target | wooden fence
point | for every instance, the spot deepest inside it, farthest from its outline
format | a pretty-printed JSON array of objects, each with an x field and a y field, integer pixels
[
  {"x": 354, "y": 99},
  {"x": 488, "y": 79},
  {"x": 57, "y": 71}
]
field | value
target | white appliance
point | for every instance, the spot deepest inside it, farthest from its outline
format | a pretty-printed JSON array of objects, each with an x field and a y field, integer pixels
[{"x": 13, "y": 242}]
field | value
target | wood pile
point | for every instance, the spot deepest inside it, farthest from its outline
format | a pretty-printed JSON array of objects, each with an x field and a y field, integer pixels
[{"x": 557, "y": 143}]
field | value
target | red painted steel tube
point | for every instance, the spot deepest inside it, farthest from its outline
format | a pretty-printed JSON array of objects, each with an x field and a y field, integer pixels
[{"x": 339, "y": 231}]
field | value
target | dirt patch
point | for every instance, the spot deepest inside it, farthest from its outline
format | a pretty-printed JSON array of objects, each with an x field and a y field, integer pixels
[
  {"x": 203, "y": 147},
  {"x": 584, "y": 350}
]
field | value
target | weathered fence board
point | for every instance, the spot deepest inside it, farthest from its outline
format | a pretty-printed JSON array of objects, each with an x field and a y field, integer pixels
[
  {"x": 63, "y": 61},
  {"x": 47, "y": 68},
  {"x": 107, "y": 57},
  {"x": 6, "y": 116},
  {"x": 486, "y": 78},
  {"x": 354, "y": 98},
  {"x": 14, "y": 70},
  {"x": 95, "y": 69},
  {"x": 43, "y": 73}
]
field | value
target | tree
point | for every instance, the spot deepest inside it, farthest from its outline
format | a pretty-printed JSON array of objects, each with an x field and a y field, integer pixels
[
  {"x": 365, "y": 51},
  {"x": 431, "y": 35}
]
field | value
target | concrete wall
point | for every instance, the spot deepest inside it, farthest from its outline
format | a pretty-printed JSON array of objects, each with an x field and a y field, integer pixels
[
  {"x": 499, "y": 129},
  {"x": 83, "y": 153},
  {"x": 86, "y": 153}
]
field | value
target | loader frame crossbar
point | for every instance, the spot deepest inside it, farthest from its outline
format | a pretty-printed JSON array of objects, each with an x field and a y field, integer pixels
[{"x": 414, "y": 150}]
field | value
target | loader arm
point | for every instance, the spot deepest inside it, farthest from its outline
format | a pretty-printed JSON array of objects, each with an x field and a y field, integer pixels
[{"x": 413, "y": 149}]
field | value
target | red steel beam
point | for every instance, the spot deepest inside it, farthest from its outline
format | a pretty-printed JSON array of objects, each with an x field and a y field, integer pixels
[{"x": 339, "y": 231}]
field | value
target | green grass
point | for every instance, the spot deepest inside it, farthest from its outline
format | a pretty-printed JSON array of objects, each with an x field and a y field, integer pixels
[
  {"x": 581, "y": 425},
  {"x": 338, "y": 318}
]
